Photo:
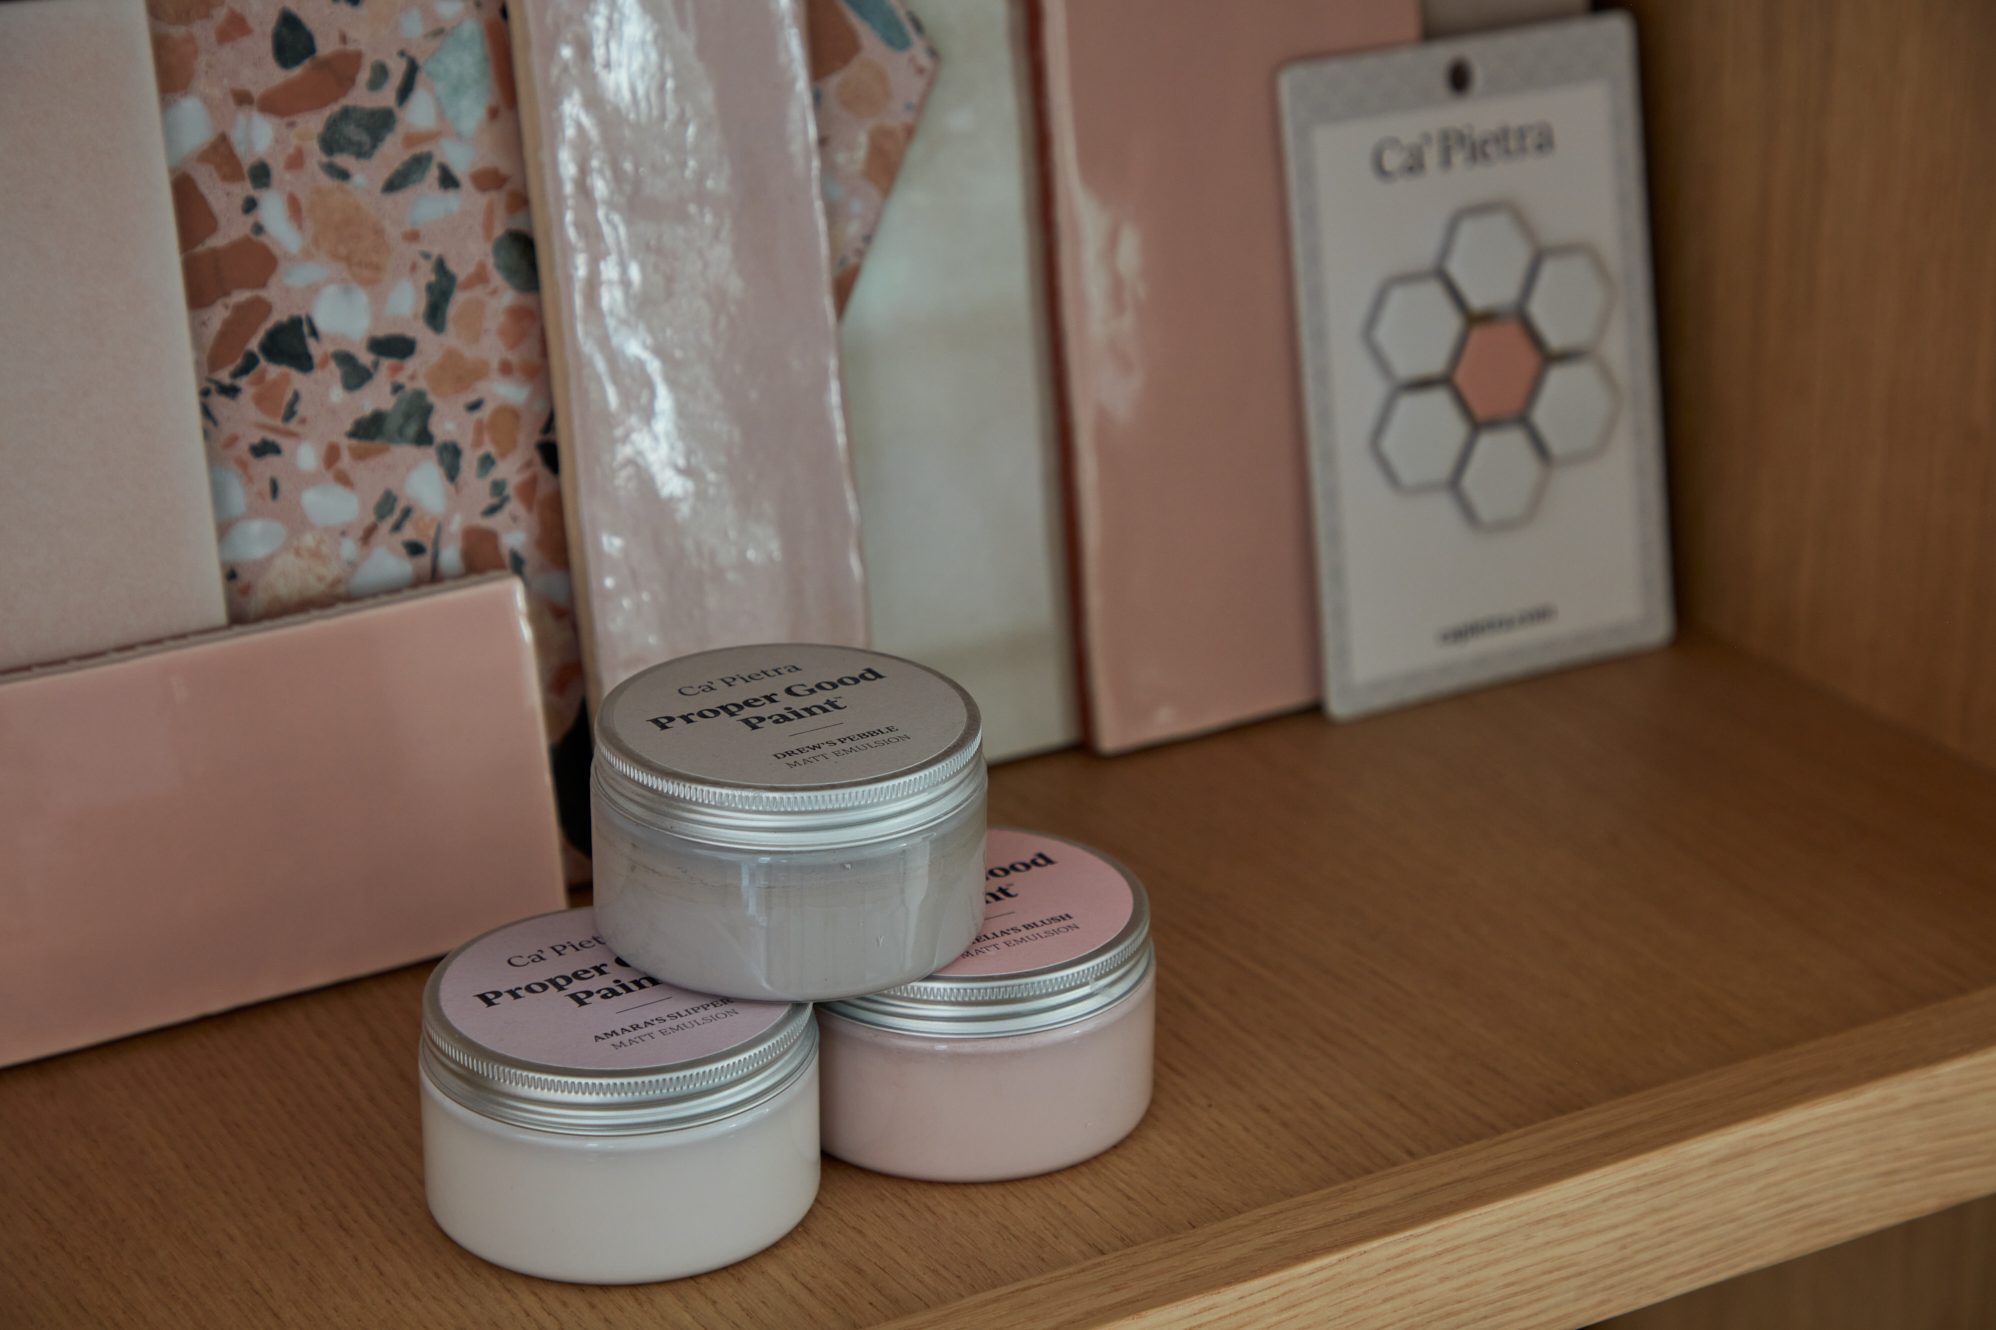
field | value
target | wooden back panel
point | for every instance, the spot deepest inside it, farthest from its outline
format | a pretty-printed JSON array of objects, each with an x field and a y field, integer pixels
[{"x": 1823, "y": 183}]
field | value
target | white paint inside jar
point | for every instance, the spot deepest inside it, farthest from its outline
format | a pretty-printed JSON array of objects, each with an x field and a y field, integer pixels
[{"x": 584, "y": 1121}]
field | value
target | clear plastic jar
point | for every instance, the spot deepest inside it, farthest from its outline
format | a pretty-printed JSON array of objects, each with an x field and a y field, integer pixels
[
  {"x": 584, "y": 1121},
  {"x": 789, "y": 822},
  {"x": 1032, "y": 1051}
]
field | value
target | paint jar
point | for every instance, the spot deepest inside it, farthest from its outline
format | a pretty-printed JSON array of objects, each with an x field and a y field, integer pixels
[
  {"x": 585, "y": 1121},
  {"x": 1028, "y": 1053},
  {"x": 789, "y": 822}
]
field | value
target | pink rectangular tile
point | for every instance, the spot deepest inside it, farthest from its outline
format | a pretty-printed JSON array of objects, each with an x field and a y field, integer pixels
[
  {"x": 104, "y": 522},
  {"x": 872, "y": 66},
  {"x": 261, "y": 810},
  {"x": 674, "y": 174},
  {"x": 1191, "y": 503},
  {"x": 360, "y": 266}
]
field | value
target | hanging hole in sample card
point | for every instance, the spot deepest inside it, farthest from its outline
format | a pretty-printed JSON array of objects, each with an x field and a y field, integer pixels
[{"x": 1461, "y": 76}]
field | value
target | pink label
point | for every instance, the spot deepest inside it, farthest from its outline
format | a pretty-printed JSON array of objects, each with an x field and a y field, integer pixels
[
  {"x": 549, "y": 990},
  {"x": 1046, "y": 902}
]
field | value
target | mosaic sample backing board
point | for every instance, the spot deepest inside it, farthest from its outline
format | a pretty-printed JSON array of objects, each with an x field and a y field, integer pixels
[{"x": 1472, "y": 268}]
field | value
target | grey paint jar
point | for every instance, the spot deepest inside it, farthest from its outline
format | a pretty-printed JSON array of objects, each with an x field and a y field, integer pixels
[{"x": 790, "y": 822}]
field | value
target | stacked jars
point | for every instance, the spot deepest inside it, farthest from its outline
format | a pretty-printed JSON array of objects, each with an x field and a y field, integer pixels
[{"x": 773, "y": 827}]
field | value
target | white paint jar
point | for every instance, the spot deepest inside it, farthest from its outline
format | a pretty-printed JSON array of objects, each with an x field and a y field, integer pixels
[
  {"x": 788, "y": 822},
  {"x": 584, "y": 1121},
  {"x": 1030, "y": 1052}
]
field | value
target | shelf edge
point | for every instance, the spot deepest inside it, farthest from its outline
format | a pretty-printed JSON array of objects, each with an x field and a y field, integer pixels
[{"x": 1583, "y": 1217}]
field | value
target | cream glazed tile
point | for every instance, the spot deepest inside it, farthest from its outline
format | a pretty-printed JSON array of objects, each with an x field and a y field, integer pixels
[{"x": 953, "y": 435}]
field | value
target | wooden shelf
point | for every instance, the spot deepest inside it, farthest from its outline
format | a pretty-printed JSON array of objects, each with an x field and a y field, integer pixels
[{"x": 1521, "y": 1009}]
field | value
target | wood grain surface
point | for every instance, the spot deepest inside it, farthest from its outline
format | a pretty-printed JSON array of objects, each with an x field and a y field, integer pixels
[
  {"x": 1937, "y": 1273},
  {"x": 1542, "y": 1003},
  {"x": 1822, "y": 178}
]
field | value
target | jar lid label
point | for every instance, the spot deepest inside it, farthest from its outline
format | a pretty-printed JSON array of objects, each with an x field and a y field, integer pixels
[
  {"x": 550, "y": 990},
  {"x": 1046, "y": 902},
  {"x": 786, "y": 716}
]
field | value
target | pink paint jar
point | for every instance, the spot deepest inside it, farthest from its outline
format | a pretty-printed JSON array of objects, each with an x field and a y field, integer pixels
[{"x": 1029, "y": 1052}]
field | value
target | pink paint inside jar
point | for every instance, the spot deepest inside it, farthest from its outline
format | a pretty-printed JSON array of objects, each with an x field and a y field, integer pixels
[{"x": 1030, "y": 1052}]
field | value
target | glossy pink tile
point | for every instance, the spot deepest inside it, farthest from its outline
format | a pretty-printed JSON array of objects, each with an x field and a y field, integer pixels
[
  {"x": 675, "y": 182},
  {"x": 262, "y": 810},
  {"x": 105, "y": 536},
  {"x": 1191, "y": 503}
]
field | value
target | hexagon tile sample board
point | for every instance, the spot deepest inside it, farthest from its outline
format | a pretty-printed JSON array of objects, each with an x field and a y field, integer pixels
[{"x": 1479, "y": 357}]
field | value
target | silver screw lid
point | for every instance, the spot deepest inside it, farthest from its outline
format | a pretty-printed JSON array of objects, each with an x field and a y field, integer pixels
[
  {"x": 1044, "y": 997},
  {"x": 516, "y": 1059},
  {"x": 788, "y": 745}
]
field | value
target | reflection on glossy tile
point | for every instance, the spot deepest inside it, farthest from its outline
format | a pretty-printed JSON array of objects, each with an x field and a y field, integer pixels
[{"x": 675, "y": 186}]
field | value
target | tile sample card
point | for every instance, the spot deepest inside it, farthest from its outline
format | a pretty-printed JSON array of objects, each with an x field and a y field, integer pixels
[
  {"x": 262, "y": 810},
  {"x": 675, "y": 189},
  {"x": 1192, "y": 513},
  {"x": 105, "y": 533},
  {"x": 1474, "y": 294},
  {"x": 871, "y": 69},
  {"x": 949, "y": 395}
]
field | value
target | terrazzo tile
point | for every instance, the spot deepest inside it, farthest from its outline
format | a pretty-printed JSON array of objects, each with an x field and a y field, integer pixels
[
  {"x": 872, "y": 66},
  {"x": 366, "y": 317}
]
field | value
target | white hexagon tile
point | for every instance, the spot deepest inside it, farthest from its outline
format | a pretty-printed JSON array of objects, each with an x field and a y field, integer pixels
[
  {"x": 1491, "y": 354},
  {"x": 1488, "y": 257},
  {"x": 1421, "y": 436},
  {"x": 1415, "y": 327},
  {"x": 1573, "y": 409}
]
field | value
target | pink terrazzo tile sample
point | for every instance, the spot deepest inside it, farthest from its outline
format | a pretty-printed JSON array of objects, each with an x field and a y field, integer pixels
[
  {"x": 675, "y": 187},
  {"x": 265, "y": 809},
  {"x": 360, "y": 268},
  {"x": 871, "y": 70},
  {"x": 105, "y": 537},
  {"x": 1191, "y": 507}
]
